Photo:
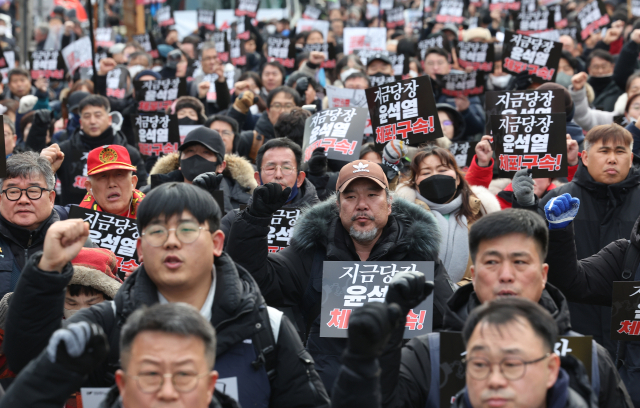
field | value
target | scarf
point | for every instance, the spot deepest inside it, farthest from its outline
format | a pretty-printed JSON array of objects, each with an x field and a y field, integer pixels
[
  {"x": 454, "y": 247},
  {"x": 106, "y": 138},
  {"x": 90, "y": 202}
]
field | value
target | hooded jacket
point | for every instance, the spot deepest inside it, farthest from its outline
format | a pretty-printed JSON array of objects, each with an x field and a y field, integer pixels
[
  {"x": 37, "y": 307},
  {"x": 285, "y": 278},
  {"x": 607, "y": 92},
  {"x": 607, "y": 213},
  {"x": 238, "y": 183}
]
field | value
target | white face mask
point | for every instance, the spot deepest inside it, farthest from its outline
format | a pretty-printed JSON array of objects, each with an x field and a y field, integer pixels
[
  {"x": 500, "y": 81},
  {"x": 68, "y": 313},
  {"x": 413, "y": 74},
  {"x": 254, "y": 109},
  {"x": 3, "y": 29},
  {"x": 134, "y": 69},
  {"x": 271, "y": 29}
]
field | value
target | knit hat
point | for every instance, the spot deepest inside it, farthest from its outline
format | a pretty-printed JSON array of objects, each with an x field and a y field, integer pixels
[
  {"x": 96, "y": 268},
  {"x": 477, "y": 32},
  {"x": 568, "y": 102},
  {"x": 394, "y": 151},
  {"x": 189, "y": 102},
  {"x": 117, "y": 49},
  {"x": 27, "y": 103},
  {"x": 147, "y": 72}
]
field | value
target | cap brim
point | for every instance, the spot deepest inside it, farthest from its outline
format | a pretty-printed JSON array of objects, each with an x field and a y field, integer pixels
[
  {"x": 185, "y": 145},
  {"x": 346, "y": 183},
  {"x": 111, "y": 166}
]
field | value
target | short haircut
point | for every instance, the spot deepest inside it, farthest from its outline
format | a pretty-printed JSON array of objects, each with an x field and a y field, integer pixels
[
  {"x": 43, "y": 28},
  {"x": 599, "y": 54},
  {"x": 18, "y": 72},
  {"x": 274, "y": 64},
  {"x": 369, "y": 148},
  {"x": 435, "y": 50},
  {"x": 612, "y": 133},
  {"x": 207, "y": 46},
  {"x": 27, "y": 165},
  {"x": 7, "y": 121},
  {"x": 291, "y": 125},
  {"x": 77, "y": 290},
  {"x": 501, "y": 312},
  {"x": 286, "y": 89},
  {"x": 280, "y": 142},
  {"x": 506, "y": 222},
  {"x": 95, "y": 101},
  {"x": 573, "y": 63},
  {"x": 174, "y": 198},
  {"x": 357, "y": 75},
  {"x": 253, "y": 76},
  {"x": 631, "y": 78},
  {"x": 223, "y": 118},
  {"x": 142, "y": 54},
  {"x": 171, "y": 318}
]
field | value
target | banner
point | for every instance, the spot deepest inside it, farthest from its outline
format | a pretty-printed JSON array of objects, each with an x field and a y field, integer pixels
[
  {"x": 158, "y": 95},
  {"x": 281, "y": 49},
  {"x": 157, "y": 134},
  {"x": 536, "y": 142},
  {"x": 528, "y": 23},
  {"x": 206, "y": 19},
  {"x": 164, "y": 17},
  {"x": 395, "y": 18},
  {"x": 540, "y": 58},
  {"x": 479, "y": 56},
  {"x": 310, "y": 25},
  {"x": 113, "y": 232},
  {"x": 348, "y": 285},
  {"x": 398, "y": 113},
  {"x": 625, "y": 311},
  {"x": 592, "y": 17},
  {"x": 113, "y": 83},
  {"x": 364, "y": 38},
  {"x": 247, "y": 8},
  {"x": 77, "y": 54},
  {"x": 451, "y": 11},
  {"x": 338, "y": 130},
  {"x": 48, "y": 64},
  {"x": 344, "y": 98},
  {"x": 148, "y": 43}
]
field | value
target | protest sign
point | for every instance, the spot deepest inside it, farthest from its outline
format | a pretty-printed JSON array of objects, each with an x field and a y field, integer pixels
[
  {"x": 348, "y": 285},
  {"x": 281, "y": 49},
  {"x": 504, "y": 5},
  {"x": 540, "y": 58},
  {"x": 343, "y": 98},
  {"x": 247, "y": 8},
  {"x": 524, "y": 102},
  {"x": 236, "y": 53},
  {"x": 105, "y": 37},
  {"x": 113, "y": 232},
  {"x": 451, "y": 11},
  {"x": 184, "y": 130},
  {"x": 635, "y": 8},
  {"x": 327, "y": 49},
  {"x": 549, "y": 2},
  {"x": 364, "y": 38},
  {"x": 157, "y": 134},
  {"x": 560, "y": 18},
  {"x": 93, "y": 397},
  {"x": 164, "y": 16},
  {"x": 625, "y": 311},
  {"x": 592, "y": 17},
  {"x": 439, "y": 41},
  {"x": 281, "y": 228},
  {"x": 222, "y": 45},
  {"x": 386, "y": 4},
  {"x": 158, "y": 95},
  {"x": 211, "y": 93},
  {"x": 115, "y": 84},
  {"x": 528, "y": 6},
  {"x": 536, "y": 142},
  {"x": 531, "y": 22},
  {"x": 477, "y": 55},
  {"x": 463, "y": 153},
  {"x": 77, "y": 54},
  {"x": 395, "y": 18},
  {"x": 48, "y": 64},
  {"x": 206, "y": 19},
  {"x": 310, "y": 25},
  {"x": 398, "y": 113},
  {"x": 311, "y": 12},
  {"x": 338, "y": 130},
  {"x": 148, "y": 43},
  {"x": 466, "y": 84}
]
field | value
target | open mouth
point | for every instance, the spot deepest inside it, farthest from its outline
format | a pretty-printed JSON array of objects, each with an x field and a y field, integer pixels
[
  {"x": 113, "y": 197},
  {"x": 172, "y": 262}
]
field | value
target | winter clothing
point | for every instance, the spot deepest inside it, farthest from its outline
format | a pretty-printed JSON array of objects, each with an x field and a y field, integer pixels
[
  {"x": 237, "y": 185},
  {"x": 237, "y": 314},
  {"x": 607, "y": 213},
  {"x": 306, "y": 197},
  {"x": 293, "y": 277},
  {"x": 219, "y": 400},
  {"x": 90, "y": 202},
  {"x": 223, "y": 97},
  {"x": 586, "y": 117},
  {"x": 635, "y": 132},
  {"x": 474, "y": 116},
  {"x": 97, "y": 269},
  {"x": 607, "y": 92}
]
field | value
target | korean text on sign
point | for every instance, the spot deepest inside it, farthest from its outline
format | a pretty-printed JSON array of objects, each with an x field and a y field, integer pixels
[
  {"x": 538, "y": 57},
  {"x": 338, "y": 130},
  {"x": 281, "y": 229}
]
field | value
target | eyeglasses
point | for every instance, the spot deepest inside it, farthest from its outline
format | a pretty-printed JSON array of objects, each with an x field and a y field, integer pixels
[
  {"x": 270, "y": 169},
  {"x": 150, "y": 383},
  {"x": 278, "y": 106},
  {"x": 512, "y": 368},
  {"x": 33, "y": 192},
  {"x": 186, "y": 232},
  {"x": 225, "y": 133}
]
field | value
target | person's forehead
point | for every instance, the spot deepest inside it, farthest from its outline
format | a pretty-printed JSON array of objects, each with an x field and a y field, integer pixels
[
  {"x": 35, "y": 178},
  {"x": 514, "y": 337},
  {"x": 114, "y": 172},
  {"x": 435, "y": 55},
  {"x": 282, "y": 96},
  {"x": 270, "y": 69},
  {"x": 93, "y": 109},
  {"x": 278, "y": 154},
  {"x": 166, "y": 348},
  {"x": 598, "y": 60},
  {"x": 218, "y": 124},
  {"x": 508, "y": 244},
  {"x": 185, "y": 216}
]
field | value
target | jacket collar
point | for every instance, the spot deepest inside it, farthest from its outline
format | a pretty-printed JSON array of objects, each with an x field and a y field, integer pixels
[
  {"x": 584, "y": 179},
  {"x": 22, "y": 236},
  {"x": 264, "y": 126}
]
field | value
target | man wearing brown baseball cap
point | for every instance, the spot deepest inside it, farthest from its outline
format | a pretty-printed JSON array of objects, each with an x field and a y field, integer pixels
[{"x": 362, "y": 223}]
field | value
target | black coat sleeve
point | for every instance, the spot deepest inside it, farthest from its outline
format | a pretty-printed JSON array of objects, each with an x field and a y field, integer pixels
[
  {"x": 357, "y": 384},
  {"x": 613, "y": 392},
  {"x": 626, "y": 64},
  {"x": 589, "y": 280},
  {"x": 297, "y": 383},
  {"x": 37, "y": 139},
  {"x": 223, "y": 96}
]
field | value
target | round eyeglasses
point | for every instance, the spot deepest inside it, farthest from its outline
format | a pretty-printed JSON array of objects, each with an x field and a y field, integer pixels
[{"x": 186, "y": 232}]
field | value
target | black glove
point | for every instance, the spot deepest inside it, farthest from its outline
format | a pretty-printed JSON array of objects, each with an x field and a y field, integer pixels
[
  {"x": 42, "y": 117},
  {"x": 408, "y": 290},
  {"x": 318, "y": 162},
  {"x": 370, "y": 328},
  {"x": 268, "y": 199},
  {"x": 208, "y": 181},
  {"x": 80, "y": 347}
]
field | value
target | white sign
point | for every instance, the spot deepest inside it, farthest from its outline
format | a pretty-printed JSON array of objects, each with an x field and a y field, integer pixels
[
  {"x": 77, "y": 54},
  {"x": 93, "y": 397},
  {"x": 358, "y": 38},
  {"x": 228, "y": 386},
  {"x": 308, "y": 25}
]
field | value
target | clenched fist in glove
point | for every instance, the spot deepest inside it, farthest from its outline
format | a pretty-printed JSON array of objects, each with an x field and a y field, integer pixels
[
  {"x": 561, "y": 210},
  {"x": 523, "y": 188},
  {"x": 268, "y": 199},
  {"x": 208, "y": 181},
  {"x": 81, "y": 347},
  {"x": 408, "y": 290},
  {"x": 318, "y": 162},
  {"x": 370, "y": 328},
  {"x": 244, "y": 101}
]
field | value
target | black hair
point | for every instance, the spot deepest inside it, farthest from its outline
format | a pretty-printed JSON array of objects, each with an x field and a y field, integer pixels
[
  {"x": 19, "y": 72},
  {"x": 279, "y": 142},
  {"x": 359, "y": 74},
  {"x": 77, "y": 290},
  {"x": 291, "y": 125},
  {"x": 599, "y": 54},
  {"x": 570, "y": 60},
  {"x": 251, "y": 75},
  {"x": 174, "y": 198},
  {"x": 501, "y": 312},
  {"x": 435, "y": 50},
  {"x": 223, "y": 118},
  {"x": 94, "y": 100},
  {"x": 509, "y": 221},
  {"x": 369, "y": 148},
  {"x": 286, "y": 89},
  {"x": 277, "y": 65}
]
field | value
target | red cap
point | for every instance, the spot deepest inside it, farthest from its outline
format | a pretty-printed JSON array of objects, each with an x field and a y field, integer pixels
[{"x": 109, "y": 157}]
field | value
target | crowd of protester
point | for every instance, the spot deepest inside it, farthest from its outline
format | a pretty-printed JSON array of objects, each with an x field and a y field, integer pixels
[{"x": 214, "y": 316}]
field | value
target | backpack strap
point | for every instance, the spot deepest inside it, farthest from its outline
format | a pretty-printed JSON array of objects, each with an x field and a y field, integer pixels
[
  {"x": 595, "y": 371},
  {"x": 631, "y": 263},
  {"x": 264, "y": 342},
  {"x": 433, "y": 400},
  {"x": 256, "y": 144}
]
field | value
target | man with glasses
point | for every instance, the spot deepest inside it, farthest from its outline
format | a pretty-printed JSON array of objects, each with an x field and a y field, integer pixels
[
  {"x": 211, "y": 67},
  {"x": 600, "y": 66},
  {"x": 280, "y": 100},
  {"x": 259, "y": 356}
]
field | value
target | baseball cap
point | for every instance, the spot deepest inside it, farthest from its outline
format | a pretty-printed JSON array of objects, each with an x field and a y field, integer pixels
[
  {"x": 361, "y": 169},
  {"x": 76, "y": 98},
  {"x": 209, "y": 138},
  {"x": 108, "y": 157},
  {"x": 379, "y": 56}
]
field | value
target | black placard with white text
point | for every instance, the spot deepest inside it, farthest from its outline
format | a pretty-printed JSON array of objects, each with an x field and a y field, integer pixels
[
  {"x": 592, "y": 17},
  {"x": 438, "y": 41},
  {"x": 158, "y": 95},
  {"x": 148, "y": 44},
  {"x": 466, "y": 84},
  {"x": 451, "y": 11},
  {"x": 338, "y": 130},
  {"x": 247, "y": 8},
  {"x": 532, "y": 22},
  {"x": 281, "y": 49},
  {"x": 207, "y": 19},
  {"x": 157, "y": 134},
  {"x": 625, "y": 311},
  {"x": 477, "y": 55},
  {"x": 47, "y": 64},
  {"x": 327, "y": 49},
  {"x": 538, "y": 57}
]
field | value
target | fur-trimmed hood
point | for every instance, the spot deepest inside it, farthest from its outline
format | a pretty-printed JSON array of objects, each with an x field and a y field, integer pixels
[
  {"x": 238, "y": 168},
  {"x": 481, "y": 201},
  {"x": 85, "y": 276},
  {"x": 419, "y": 232}
]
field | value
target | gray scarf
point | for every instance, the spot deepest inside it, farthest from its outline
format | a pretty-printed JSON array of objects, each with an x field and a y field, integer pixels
[{"x": 454, "y": 247}]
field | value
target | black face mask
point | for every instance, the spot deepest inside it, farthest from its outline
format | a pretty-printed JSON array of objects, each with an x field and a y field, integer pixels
[
  {"x": 438, "y": 189},
  {"x": 188, "y": 121},
  {"x": 195, "y": 166}
]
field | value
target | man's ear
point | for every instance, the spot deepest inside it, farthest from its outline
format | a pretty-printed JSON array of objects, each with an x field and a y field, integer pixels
[
  {"x": 256, "y": 176},
  {"x": 139, "y": 248},
  {"x": 300, "y": 178},
  {"x": 87, "y": 184},
  {"x": 585, "y": 158},
  {"x": 218, "y": 242},
  {"x": 120, "y": 381},
  {"x": 134, "y": 181},
  {"x": 545, "y": 271},
  {"x": 554, "y": 368},
  {"x": 221, "y": 167}
]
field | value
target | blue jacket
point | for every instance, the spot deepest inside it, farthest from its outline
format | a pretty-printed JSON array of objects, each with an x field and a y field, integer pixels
[{"x": 474, "y": 116}]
